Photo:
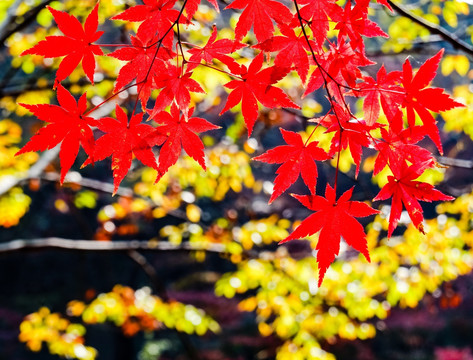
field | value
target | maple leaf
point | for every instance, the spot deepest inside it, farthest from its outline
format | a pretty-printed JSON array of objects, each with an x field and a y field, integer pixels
[
  {"x": 67, "y": 124},
  {"x": 292, "y": 49},
  {"x": 335, "y": 219},
  {"x": 258, "y": 14},
  {"x": 256, "y": 85},
  {"x": 385, "y": 88},
  {"x": 76, "y": 44},
  {"x": 142, "y": 63},
  {"x": 352, "y": 133},
  {"x": 297, "y": 158},
  {"x": 215, "y": 50},
  {"x": 405, "y": 191},
  {"x": 398, "y": 145},
  {"x": 122, "y": 140},
  {"x": 385, "y": 3},
  {"x": 176, "y": 86},
  {"x": 179, "y": 132},
  {"x": 317, "y": 13},
  {"x": 354, "y": 22},
  {"x": 157, "y": 17},
  {"x": 420, "y": 99},
  {"x": 193, "y": 5},
  {"x": 341, "y": 63}
]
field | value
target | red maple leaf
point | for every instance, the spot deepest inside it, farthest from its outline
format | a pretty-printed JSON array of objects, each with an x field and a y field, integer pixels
[
  {"x": 354, "y": 22},
  {"x": 404, "y": 190},
  {"x": 317, "y": 13},
  {"x": 175, "y": 86},
  {"x": 142, "y": 64},
  {"x": 386, "y": 89},
  {"x": 421, "y": 99},
  {"x": 334, "y": 219},
  {"x": 259, "y": 15},
  {"x": 215, "y": 50},
  {"x": 256, "y": 85},
  {"x": 397, "y": 146},
  {"x": 76, "y": 44},
  {"x": 352, "y": 133},
  {"x": 291, "y": 49},
  {"x": 193, "y": 5},
  {"x": 157, "y": 17},
  {"x": 67, "y": 124},
  {"x": 296, "y": 158},
  {"x": 340, "y": 64},
  {"x": 385, "y": 3},
  {"x": 122, "y": 140},
  {"x": 179, "y": 132}
]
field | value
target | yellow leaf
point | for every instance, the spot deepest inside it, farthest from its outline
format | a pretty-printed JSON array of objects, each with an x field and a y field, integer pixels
[{"x": 193, "y": 212}]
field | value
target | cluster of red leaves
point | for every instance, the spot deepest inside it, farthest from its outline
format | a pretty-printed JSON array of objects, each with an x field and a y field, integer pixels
[{"x": 156, "y": 59}]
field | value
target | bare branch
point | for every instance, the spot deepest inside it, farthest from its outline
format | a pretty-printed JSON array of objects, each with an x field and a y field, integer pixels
[
  {"x": 104, "y": 246},
  {"x": 451, "y": 38},
  {"x": 9, "y": 88},
  {"x": 9, "y": 18},
  {"x": 159, "y": 286},
  {"x": 93, "y": 184},
  {"x": 11, "y": 26},
  {"x": 460, "y": 163},
  {"x": 9, "y": 181}
]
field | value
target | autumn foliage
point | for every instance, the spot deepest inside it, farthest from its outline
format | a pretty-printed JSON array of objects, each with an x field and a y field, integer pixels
[{"x": 397, "y": 105}]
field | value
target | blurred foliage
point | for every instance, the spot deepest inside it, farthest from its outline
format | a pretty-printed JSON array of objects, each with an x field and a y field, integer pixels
[
  {"x": 402, "y": 270},
  {"x": 452, "y": 353},
  {"x": 62, "y": 337},
  {"x": 132, "y": 311},
  {"x": 228, "y": 169},
  {"x": 461, "y": 120},
  {"x": 404, "y": 34},
  {"x": 14, "y": 203},
  {"x": 138, "y": 310}
]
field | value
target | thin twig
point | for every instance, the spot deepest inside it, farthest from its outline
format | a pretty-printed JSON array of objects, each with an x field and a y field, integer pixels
[
  {"x": 451, "y": 38},
  {"x": 459, "y": 163},
  {"x": 9, "y": 17},
  {"x": 160, "y": 288},
  {"x": 325, "y": 74},
  {"x": 93, "y": 184},
  {"x": 12, "y": 26},
  {"x": 10, "y": 88},
  {"x": 108, "y": 188}
]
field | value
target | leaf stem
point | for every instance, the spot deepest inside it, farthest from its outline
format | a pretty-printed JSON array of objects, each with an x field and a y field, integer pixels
[
  {"x": 159, "y": 43},
  {"x": 115, "y": 45},
  {"x": 337, "y": 169},
  {"x": 215, "y": 68},
  {"x": 111, "y": 97}
]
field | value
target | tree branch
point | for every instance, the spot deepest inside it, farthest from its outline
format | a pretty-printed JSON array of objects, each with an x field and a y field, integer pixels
[
  {"x": 459, "y": 163},
  {"x": 131, "y": 248},
  {"x": 104, "y": 246},
  {"x": 11, "y": 26},
  {"x": 93, "y": 184},
  {"x": 160, "y": 288},
  {"x": 20, "y": 87},
  {"x": 451, "y": 38},
  {"x": 10, "y": 15}
]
